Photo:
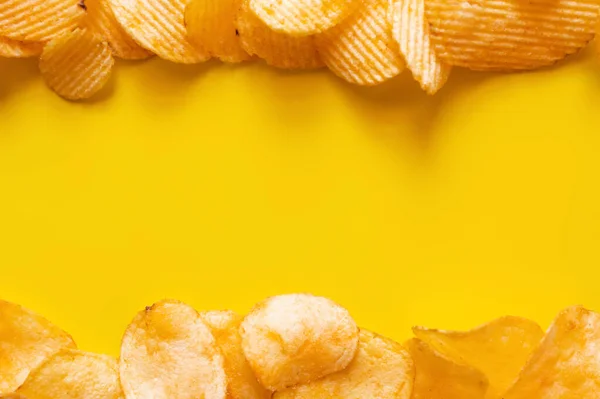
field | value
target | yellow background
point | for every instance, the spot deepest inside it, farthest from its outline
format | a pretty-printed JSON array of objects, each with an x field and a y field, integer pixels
[{"x": 222, "y": 185}]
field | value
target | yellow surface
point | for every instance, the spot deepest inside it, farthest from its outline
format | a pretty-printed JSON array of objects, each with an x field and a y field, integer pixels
[{"x": 222, "y": 185}]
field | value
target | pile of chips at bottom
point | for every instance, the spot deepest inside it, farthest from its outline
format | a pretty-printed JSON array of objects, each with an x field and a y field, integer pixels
[{"x": 299, "y": 346}]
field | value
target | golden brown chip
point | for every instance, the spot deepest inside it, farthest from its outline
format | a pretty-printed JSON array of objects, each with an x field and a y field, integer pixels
[
  {"x": 439, "y": 377},
  {"x": 73, "y": 374},
  {"x": 361, "y": 49},
  {"x": 382, "y": 369},
  {"x": 10, "y": 48},
  {"x": 77, "y": 64},
  {"x": 499, "y": 349},
  {"x": 277, "y": 49},
  {"x": 26, "y": 340},
  {"x": 507, "y": 34},
  {"x": 411, "y": 31},
  {"x": 168, "y": 352}
]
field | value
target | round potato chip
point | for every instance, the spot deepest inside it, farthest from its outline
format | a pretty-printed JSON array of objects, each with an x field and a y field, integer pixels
[
  {"x": 73, "y": 374},
  {"x": 77, "y": 64},
  {"x": 294, "y": 339},
  {"x": 361, "y": 49},
  {"x": 10, "y": 48},
  {"x": 26, "y": 341},
  {"x": 411, "y": 31},
  {"x": 168, "y": 352},
  {"x": 159, "y": 26},
  {"x": 509, "y": 35},
  {"x": 302, "y": 17},
  {"x": 382, "y": 369}
]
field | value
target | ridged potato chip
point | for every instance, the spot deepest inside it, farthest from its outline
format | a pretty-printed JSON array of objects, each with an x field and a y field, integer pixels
[
  {"x": 10, "y": 48},
  {"x": 567, "y": 363},
  {"x": 211, "y": 24},
  {"x": 77, "y": 64},
  {"x": 439, "y": 377},
  {"x": 382, "y": 369},
  {"x": 39, "y": 21},
  {"x": 361, "y": 49},
  {"x": 277, "y": 49},
  {"x": 293, "y": 339},
  {"x": 26, "y": 341},
  {"x": 73, "y": 374},
  {"x": 242, "y": 383},
  {"x": 509, "y": 35},
  {"x": 499, "y": 349},
  {"x": 411, "y": 30},
  {"x": 168, "y": 352}
]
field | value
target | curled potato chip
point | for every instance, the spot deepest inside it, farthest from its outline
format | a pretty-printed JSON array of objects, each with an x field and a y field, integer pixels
[
  {"x": 10, "y": 48},
  {"x": 73, "y": 374},
  {"x": 510, "y": 35},
  {"x": 168, "y": 352},
  {"x": 498, "y": 349},
  {"x": 26, "y": 341},
  {"x": 77, "y": 64},
  {"x": 411, "y": 31},
  {"x": 361, "y": 48},
  {"x": 439, "y": 377},
  {"x": 293, "y": 339},
  {"x": 382, "y": 369}
]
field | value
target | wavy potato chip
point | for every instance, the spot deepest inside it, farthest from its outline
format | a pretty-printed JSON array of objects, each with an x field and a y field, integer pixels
[
  {"x": 26, "y": 341},
  {"x": 73, "y": 374},
  {"x": 10, "y": 48},
  {"x": 499, "y": 349},
  {"x": 293, "y": 339},
  {"x": 168, "y": 352},
  {"x": 382, "y": 369}
]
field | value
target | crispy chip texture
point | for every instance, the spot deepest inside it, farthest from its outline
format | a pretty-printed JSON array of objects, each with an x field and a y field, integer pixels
[
  {"x": 567, "y": 363},
  {"x": 77, "y": 64},
  {"x": 26, "y": 341},
  {"x": 411, "y": 31},
  {"x": 382, "y": 369},
  {"x": 10, "y": 48},
  {"x": 499, "y": 349},
  {"x": 73, "y": 374},
  {"x": 294, "y": 339},
  {"x": 361, "y": 49},
  {"x": 509, "y": 35},
  {"x": 168, "y": 352},
  {"x": 302, "y": 17},
  {"x": 439, "y": 377}
]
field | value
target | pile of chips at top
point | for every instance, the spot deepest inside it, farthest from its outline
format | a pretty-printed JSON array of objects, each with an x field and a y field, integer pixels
[
  {"x": 365, "y": 42},
  {"x": 299, "y": 346}
]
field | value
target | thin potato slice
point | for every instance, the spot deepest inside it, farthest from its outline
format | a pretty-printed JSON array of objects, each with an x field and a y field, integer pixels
[
  {"x": 10, "y": 48},
  {"x": 168, "y": 352},
  {"x": 382, "y": 369},
  {"x": 361, "y": 49},
  {"x": 73, "y": 374},
  {"x": 411, "y": 31},
  {"x": 77, "y": 64},
  {"x": 26, "y": 341},
  {"x": 509, "y": 35},
  {"x": 499, "y": 349}
]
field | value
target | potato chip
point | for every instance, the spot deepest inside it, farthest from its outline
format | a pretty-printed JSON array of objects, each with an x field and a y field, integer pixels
[
  {"x": 509, "y": 35},
  {"x": 499, "y": 349},
  {"x": 277, "y": 49},
  {"x": 361, "y": 49},
  {"x": 567, "y": 363},
  {"x": 242, "y": 383},
  {"x": 294, "y": 339},
  {"x": 159, "y": 26},
  {"x": 439, "y": 377},
  {"x": 10, "y": 48},
  {"x": 26, "y": 341},
  {"x": 382, "y": 369},
  {"x": 211, "y": 24},
  {"x": 411, "y": 31},
  {"x": 168, "y": 352},
  {"x": 77, "y": 64},
  {"x": 39, "y": 21},
  {"x": 73, "y": 374},
  {"x": 302, "y": 17}
]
